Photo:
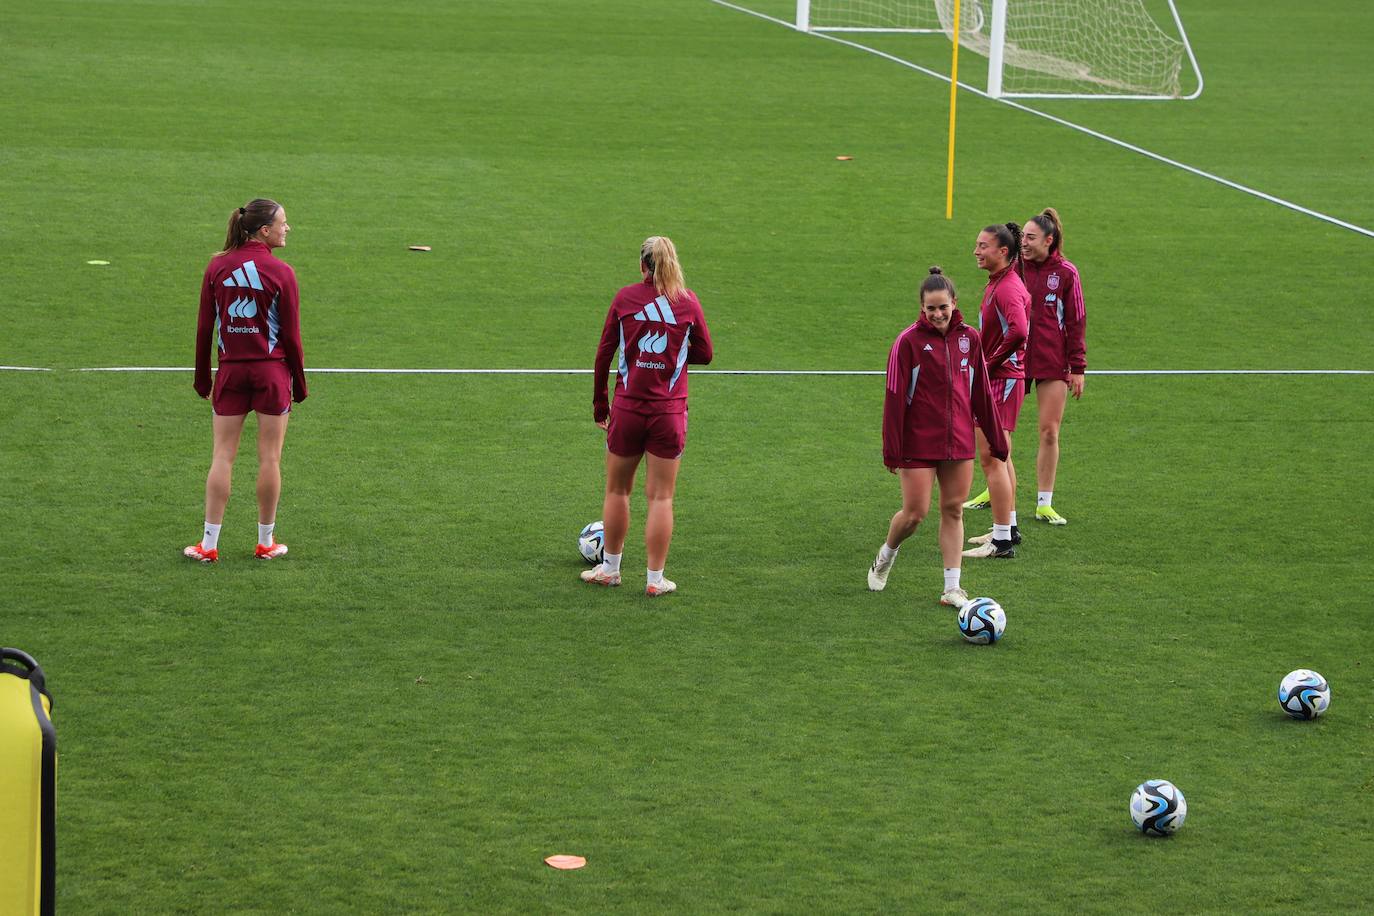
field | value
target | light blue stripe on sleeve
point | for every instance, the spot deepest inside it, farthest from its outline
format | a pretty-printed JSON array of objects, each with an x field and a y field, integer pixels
[
  {"x": 273, "y": 325},
  {"x": 651, "y": 312},
  {"x": 621, "y": 369},
  {"x": 218, "y": 338},
  {"x": 666, "y": 309},
  {"x": 911, "y": 388},
  {"x": 681, "y": 358},
  {"x": 1002, "y": 319}
]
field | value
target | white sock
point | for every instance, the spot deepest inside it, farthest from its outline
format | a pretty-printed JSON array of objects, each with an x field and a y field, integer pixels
[
  {"x": 951, "y": 578},
  {"x": 612, "y": 562},
  {"x": 211, "y": 539},
  {"x": 1044, "y": 497},
  {"x": 886, "y": 553},
  {"x": 655, "y": 577},
  {"x": 265, "y": 534},
  {"x": 1013, "y": 518},
  {"x": 1001, "y": 532}
]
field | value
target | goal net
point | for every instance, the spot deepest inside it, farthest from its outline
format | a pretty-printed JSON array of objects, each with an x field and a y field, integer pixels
[{"x": 1041, "y": 48}]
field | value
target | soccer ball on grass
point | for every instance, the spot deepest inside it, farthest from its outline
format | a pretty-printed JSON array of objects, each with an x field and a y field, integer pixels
[
  {"x": 982, "y": 621},
  {"x": 1158, "y": 807},
  {"x": 591, "y": 543},
  {"x": 1304, "y": 694}
]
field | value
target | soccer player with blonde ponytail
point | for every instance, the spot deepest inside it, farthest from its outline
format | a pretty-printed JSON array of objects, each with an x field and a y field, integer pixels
[{"x": 659, "y": 328}]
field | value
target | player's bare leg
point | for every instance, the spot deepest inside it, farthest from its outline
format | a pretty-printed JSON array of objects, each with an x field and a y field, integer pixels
[
  {"x": 660, "y": 482},
  {"x": 659, "y": 485},
  {"x": 955, "y": 478},
  {"x": 217, "y": 484},
  {"x": 615, "y": 514},
  {"x": 1050, "y": 397},
  {"x": 271, "y": 435},
  {"x": 221, "y": 476},
  {"x": 615, "y": 510},
  {"x": 917, "y": 484},
  {"x": 998, "y": 542}
]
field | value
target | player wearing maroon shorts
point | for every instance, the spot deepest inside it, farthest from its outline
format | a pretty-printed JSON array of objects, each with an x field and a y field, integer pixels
[
  {"x": 1057, "y": 353},
  {"x": 250, "y": 308},
  {"x": 937, "y": 392},
  {"x": 1002, "y": 323},
  {"x": 659, "y": 329}
]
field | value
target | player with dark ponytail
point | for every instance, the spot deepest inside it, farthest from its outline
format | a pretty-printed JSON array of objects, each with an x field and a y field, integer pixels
[
  {"x": 937, "y": 392},
  {"x": 250, "y": 313},
  {"x": 1003, "y": 324},
  {"x": 1057, "y": 353}
]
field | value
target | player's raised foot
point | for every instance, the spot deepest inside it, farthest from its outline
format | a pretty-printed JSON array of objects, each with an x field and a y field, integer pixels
[
  {"x": 981, "y": 501},
  {"x": 196, "y": 552},
  {"x": 270, "y": 553},
  {"x": 1002, "y": 550},
  {"x": 954, "y": 597},
  {"x": 1047, "y": 514},
  {"x": 598, "y": 575},
  {"x": 661, "y": 587},
  {"x": 877, "y": 573},
  {"x": 984, "y": 538}
]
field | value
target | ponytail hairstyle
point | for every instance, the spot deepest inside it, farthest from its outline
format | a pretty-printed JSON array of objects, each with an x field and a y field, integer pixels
[
  {"x": 659, "y": 259},
  {"x": 937, "y": 280},
  {"x": 1048, "y": 221},
  {"x": 246, "y": 220},
  {"x": 1008, "y": 236}
]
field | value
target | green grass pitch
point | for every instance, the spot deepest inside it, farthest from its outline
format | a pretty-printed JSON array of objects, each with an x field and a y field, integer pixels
[{"x": 421, "y": 702}]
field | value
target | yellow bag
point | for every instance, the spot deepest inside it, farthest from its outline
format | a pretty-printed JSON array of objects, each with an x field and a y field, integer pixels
[{"x": 28, "y": 788}]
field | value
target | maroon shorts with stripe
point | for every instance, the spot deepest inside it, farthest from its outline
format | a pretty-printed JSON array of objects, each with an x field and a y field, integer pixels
[
  {"x": 1008, "y": 393},
  {"x": 631, "y": 433},
  {"x": 261, "y": 385}
]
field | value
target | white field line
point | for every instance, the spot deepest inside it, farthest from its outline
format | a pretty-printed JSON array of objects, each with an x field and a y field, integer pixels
[
  {"x": 1078, "y": 127},
  {"x": 695, "y": 372}
]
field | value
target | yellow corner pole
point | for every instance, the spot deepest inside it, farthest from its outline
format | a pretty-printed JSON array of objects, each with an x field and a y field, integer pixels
[{"x": 953, "y": 95}]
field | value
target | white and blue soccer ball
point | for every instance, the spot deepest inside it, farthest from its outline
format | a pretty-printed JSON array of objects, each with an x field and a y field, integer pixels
[
  {"x": 1304, "y": 694},
  {"x": 591, "y": 543},
  {"x": 1158, "y": 807},
  {"x": 982, "y": 621}
]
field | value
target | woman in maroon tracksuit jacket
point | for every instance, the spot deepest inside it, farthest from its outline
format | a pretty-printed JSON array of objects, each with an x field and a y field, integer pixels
[
  {"x": 1056, "y": 350},
  {"x": 937, "y": 392},
  {"x": 250, "y": 314},
  {"x": 659, "y": 329}
]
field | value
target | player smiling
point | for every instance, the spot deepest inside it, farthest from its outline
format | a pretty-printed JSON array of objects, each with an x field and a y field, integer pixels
[
  {"x": 1002, "y": 323},
  {"x": 1056, "y": 353},
  {"x": 937, "y": 392}
]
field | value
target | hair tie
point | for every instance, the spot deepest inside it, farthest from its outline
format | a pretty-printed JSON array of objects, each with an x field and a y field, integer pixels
[{"x": 242, "y": 212}]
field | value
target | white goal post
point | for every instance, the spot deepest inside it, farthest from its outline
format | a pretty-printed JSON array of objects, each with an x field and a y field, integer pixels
[{"x": 1040, "y": 49}]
